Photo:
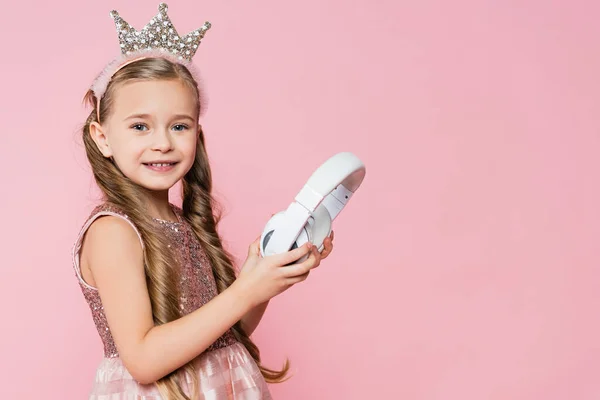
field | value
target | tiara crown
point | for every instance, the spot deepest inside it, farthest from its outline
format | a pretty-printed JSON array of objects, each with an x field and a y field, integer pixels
[{"x": 158, "y": 34}]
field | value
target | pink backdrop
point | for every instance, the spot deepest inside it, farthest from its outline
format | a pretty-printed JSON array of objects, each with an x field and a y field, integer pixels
[{"x": 465, "y": 268}]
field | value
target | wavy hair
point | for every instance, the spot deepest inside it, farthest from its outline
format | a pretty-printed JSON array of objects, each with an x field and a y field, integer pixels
[{"x": 200, "y": 209}]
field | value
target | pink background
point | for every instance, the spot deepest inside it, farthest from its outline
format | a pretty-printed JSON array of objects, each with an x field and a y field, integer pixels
[{"x": 466, "y": 267}]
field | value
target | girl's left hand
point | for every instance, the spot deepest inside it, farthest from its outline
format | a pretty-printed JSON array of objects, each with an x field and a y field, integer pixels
[{"x": 327, "y": 245}]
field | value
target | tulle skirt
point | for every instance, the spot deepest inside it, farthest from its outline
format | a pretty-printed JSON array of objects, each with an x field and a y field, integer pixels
[{"x": 226, "y": 373}]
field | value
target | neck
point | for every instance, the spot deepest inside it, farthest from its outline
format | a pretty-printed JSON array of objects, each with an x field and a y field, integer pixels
[{"x": 158, "y": 206}]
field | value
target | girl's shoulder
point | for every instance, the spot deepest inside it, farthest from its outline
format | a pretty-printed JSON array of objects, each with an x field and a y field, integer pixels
[
  {"x": 109, "y": 209},
  {"x": 100, "y": 210},
  {"x": 106, "y": 208},
  {"x": 103, "y": 209}
]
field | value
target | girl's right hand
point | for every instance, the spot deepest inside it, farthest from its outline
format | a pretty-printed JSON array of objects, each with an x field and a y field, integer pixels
[{"x": 262, "y": 278}]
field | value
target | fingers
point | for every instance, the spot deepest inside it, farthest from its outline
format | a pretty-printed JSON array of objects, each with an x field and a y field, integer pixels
[
  {"x": 292, "y": 255},
  {"x": 254, "y": 246},
  {"x": 302, "y": 268},
  {"x": 297, "y": 279},
  {"x": 327, "y": 246}
]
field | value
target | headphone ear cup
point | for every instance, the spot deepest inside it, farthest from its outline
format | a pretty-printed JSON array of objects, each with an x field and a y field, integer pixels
[
  {"x": 303, "y": 237},
  {"x": 269, "y": 230},
  {"x": 319, "y": 226},
  {"x": 272, "y": 225}
]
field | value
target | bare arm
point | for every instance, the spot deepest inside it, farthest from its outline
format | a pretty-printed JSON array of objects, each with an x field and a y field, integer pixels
[
  {"x": 252, "y": 318},
  {"x": 114, "y": 254}
]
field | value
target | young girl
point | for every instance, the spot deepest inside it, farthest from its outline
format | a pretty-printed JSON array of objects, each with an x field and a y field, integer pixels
[{"x": 173, "y": 317}]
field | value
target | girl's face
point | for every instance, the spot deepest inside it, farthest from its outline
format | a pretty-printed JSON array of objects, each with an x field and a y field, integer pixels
[{"x": 151, "y": 133}]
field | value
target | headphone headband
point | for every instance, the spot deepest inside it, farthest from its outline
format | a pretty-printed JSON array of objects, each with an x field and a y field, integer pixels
[
  {"x": 343, "y": 169},
  {"x": 327, "y": 191}
]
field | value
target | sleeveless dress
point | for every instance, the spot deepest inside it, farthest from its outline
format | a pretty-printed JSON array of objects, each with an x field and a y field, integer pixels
[{"x": 225, "y": 370}]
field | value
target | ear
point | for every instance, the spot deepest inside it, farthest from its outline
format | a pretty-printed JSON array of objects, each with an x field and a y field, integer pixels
[{"x": 99, "y": 137}]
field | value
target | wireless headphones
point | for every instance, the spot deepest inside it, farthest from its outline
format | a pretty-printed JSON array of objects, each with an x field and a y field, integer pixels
[{"x": 310, "y": 216}]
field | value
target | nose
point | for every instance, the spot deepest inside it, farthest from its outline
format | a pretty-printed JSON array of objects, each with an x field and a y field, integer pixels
[{"x": 162, "y": 141}]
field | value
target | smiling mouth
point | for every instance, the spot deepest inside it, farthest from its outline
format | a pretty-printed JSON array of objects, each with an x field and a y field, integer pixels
[
  {"x": 161, "y": 167},
  {"x": 167, "y": 164}
]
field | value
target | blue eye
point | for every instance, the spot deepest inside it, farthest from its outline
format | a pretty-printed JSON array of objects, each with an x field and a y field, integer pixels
[
  {"x": 181, "y": 127},
  {"x": 136, "y": 126}
]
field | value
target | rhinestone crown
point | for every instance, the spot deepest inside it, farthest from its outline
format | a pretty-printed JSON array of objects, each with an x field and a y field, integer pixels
[{"x": 159, "y": 34}]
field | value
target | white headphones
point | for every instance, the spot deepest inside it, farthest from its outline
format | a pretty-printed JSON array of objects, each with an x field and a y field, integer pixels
[{"x": 310, "y": 216}]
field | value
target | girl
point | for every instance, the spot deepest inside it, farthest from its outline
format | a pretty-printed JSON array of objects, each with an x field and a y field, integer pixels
[{"x": 173, "y": 316}]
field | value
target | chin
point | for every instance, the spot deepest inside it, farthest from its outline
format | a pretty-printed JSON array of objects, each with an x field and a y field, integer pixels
[{"x": 157, "y": 186}]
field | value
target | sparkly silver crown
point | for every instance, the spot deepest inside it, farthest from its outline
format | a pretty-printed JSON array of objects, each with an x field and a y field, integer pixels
[{"x": 158, "y": 34}]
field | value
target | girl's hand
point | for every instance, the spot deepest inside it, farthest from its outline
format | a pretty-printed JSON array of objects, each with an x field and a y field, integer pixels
[
  {"x": 262, "y": 278},
  {"x": 327, "y": 243}
]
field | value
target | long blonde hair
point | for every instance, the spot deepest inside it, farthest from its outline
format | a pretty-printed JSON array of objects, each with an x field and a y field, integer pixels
[{"x": 199, "y": 208}]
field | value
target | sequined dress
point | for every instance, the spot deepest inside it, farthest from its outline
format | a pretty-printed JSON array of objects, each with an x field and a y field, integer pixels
[{"x": 226, "y": 370}]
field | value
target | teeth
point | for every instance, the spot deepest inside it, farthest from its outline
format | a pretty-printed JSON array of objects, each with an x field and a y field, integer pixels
[{"x": 161, "y": 165}]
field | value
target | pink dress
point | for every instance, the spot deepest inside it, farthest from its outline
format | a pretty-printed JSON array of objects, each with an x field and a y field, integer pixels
[{"x": 226, "y": 370}]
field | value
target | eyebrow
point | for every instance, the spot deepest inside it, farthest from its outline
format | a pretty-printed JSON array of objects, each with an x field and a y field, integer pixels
[{"x": 176, "y": 116}]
